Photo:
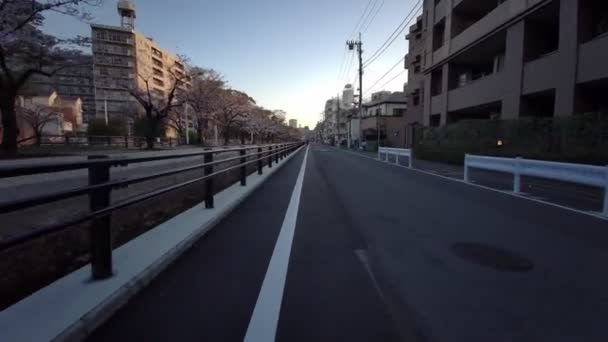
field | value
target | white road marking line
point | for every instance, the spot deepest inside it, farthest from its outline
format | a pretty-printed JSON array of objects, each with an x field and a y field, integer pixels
[
  {"x": 472, "y": 183},
  {"x": 265, "y": 319}
]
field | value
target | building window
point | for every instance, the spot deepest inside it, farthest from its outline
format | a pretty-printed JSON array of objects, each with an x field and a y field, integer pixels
[
  {"x": 435, "y": 120},
  {"x": 398, "y": 111}
]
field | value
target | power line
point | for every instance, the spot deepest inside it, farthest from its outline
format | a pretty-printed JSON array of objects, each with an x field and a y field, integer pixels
[
  {"x": 360, "y": 19},
  {"x": 374, "y": 17},
  {"x": 341, "y": 69},
  {"x": 350, "y": 65},
  {"x": 392, "y": 79},
  {"x": 369, "y": 14},
  {"x": 391, "y": 39},
  {"x": 386, "y": 74}
]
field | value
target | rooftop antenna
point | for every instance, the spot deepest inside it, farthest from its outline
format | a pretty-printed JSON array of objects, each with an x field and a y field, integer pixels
[{"x": 126, "y": 10}]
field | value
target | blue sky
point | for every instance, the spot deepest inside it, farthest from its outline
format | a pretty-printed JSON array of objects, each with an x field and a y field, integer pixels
[{"x": 285, "y": 53}]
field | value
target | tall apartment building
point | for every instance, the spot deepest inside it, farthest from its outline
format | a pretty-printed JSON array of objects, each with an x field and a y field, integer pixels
[
  {"x": 76, "y": 82},
  {"x": 125, "y": 59},
  {"x": 293, "y": 123},
  {"x": 505, "y": 59},
  {"x": 414, "y": 88}
]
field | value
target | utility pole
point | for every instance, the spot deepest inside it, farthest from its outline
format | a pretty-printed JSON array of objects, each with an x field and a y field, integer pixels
[
  {"x": 338, "y": 121},
  {"x": 358, "y": 45}
]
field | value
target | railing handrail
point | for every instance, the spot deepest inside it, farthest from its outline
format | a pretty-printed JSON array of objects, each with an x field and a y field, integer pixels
[
  {"x": 60, "y": 226},
  {"x": 398, "y": 152},
  {"x": 101, "y": 186},
  {"x": 591, "y": 175},
  {"x": 28, "y": 170},
  {"x": 577, "y": 173}
]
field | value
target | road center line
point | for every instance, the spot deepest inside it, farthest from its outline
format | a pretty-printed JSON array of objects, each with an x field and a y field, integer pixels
[{"x": 265, "y": 318}]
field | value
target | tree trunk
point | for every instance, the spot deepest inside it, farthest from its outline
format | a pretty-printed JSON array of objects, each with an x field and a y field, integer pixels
[
  {"x": 226, "y": 135},
  {"x": 242, "y": 138},
  {"x": 151, "y": 131},
  {"x": 10, "y": 130},
  {"x": 38, "y": 139}
]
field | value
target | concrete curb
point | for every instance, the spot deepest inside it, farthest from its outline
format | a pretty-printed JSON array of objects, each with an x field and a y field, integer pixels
[{"x": 82, "y": 328}]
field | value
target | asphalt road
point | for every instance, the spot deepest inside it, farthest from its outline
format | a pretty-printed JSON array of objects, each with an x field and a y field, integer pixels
[{"x": 381, "y": 253}]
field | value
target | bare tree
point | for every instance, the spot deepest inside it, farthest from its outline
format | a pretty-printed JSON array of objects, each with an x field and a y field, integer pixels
[
  {"x": 159, "y": 105},
  {"x": 26, "y": 51},
  {"x": 36, "y": 116},
  {"x": 203, "y": 97},
  {"x": 233, "y": 107}
]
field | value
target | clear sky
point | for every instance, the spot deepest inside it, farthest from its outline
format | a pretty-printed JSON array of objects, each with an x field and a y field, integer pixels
[{"x": 286, "y": 54}]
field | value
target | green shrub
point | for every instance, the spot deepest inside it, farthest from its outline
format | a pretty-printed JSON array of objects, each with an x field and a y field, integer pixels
[{"x": 115, "y": 127}]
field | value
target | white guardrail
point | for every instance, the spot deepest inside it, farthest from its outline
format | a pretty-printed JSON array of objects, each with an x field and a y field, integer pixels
[
  {"x": 397, "y": 152},
  {"x": 596, "y": 176}
]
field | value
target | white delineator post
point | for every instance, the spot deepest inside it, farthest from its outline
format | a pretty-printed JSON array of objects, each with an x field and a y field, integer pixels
[
  {"x": 517, "y": 176},
  {"x": 605, "y": 211},
  {"x": 466, "y": 168},
  {"x": 397, "y": 158},
  {"x": 410, "y": 158}
]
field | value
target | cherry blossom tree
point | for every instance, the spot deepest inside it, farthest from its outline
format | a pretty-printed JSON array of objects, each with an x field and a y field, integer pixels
[
  {"x": 233, "y": 108},
  {"x": 26, "y": 51},
  {"x": 203, "y": 97},
  {"x": 36, "y": 116},
  {"x": 159, "y": 105}
]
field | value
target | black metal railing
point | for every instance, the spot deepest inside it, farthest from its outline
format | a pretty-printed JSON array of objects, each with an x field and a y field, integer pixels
[{"x": 100, "y": 186}]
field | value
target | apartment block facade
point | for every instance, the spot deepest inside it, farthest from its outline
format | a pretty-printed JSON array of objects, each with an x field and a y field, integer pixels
[
  {"x": 123, "y": 60},
  {"x": 414, "y": 89},
  {"x": 76, "y": 82},
  {"x": 504, "y": 59}
]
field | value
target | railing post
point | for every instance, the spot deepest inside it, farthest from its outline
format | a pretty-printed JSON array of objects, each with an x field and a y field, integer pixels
[
  {"x": 397, "y": 158},
  {"x": 379, "y": 155},
  {"x": 410, "y": 157},
  {"x": 269, "y": 156},
  {"x": 100, "y": 228},
  {"x": 605, "y": 211},
  {"x": 243, "y": 153},
  {"x": 466, "y": 168},
  {"x": 260, "y": 161},
  {"x": 126, "y": 142},
  {"x": 67, "y": 139},
  {"x": 209, "y": 181},
  {"x": 517, "y": 176},
  {"x": 276, "y": 154}
]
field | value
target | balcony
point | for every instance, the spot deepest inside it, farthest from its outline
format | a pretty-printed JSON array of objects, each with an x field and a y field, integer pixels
[
  {"x": 437, "y": 104},
  {"x": 440, "y": 11},
  {"x": 484, "y": 90},
  {"x": 440, "y": 54},
  {"x": 490, "y": 22},
  {"x": 592, "y": 64},
  {"x": 540, "y": 74}
]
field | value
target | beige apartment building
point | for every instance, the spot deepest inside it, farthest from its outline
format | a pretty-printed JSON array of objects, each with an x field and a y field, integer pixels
[
  {"x": 125, "y": 59},
  {"x": 504, "y": 59}
]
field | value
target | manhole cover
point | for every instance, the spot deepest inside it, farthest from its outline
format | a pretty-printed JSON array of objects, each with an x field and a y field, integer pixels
[{"x": 492, "y": 257}]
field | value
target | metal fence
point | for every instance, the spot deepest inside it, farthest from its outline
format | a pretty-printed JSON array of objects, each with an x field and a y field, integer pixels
[
  {"x": 100, "y": 186},
  {"x": 104, "y": 141},
  {"x": 596, "y": 176},
  {"x": 397, "y": 152}
]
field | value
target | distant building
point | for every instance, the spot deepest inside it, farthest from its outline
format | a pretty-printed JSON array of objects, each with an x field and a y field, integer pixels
[
  {"x": 64, "y": 114},
  {"x": 125, "y": 59},
  {"x": 510, "y": 58},
  {"x": 293, "y": 123},
  {"x": 348, "y": 97},
  {"x": 76, "y": 82},
  {"x": 384, "y": 114}
]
